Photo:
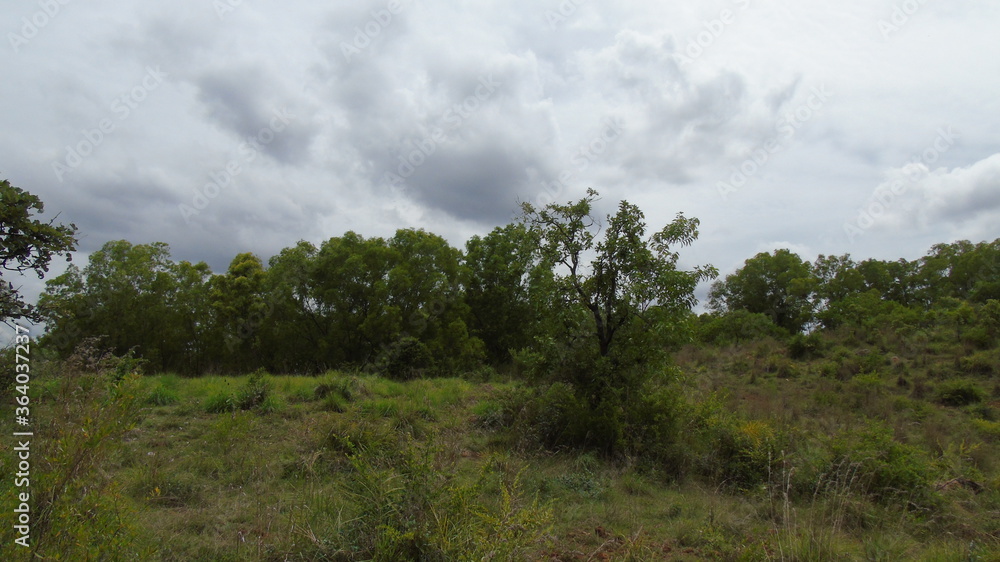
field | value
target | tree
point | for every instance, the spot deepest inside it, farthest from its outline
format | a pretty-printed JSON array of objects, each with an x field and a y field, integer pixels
[
  {"x": 898, "y": 281},
  {"x": 135, "y": 297},
  {"x": 632, "y": 285},
  {"x": 241, "y": 308},
  {"x": 502, "y": 285},
  {"x": 836, "y": 278},
  {"x": 26, "y": 244},
  {"x": 617, "y": 302},
  {"x": 778, "y": 285}
]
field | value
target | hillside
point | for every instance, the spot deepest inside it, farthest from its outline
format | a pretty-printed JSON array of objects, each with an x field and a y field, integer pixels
[{"x": 849, "y": 449}]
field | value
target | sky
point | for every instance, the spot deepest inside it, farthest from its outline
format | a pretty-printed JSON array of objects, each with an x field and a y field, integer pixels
[{"x": 867, "y": 127}]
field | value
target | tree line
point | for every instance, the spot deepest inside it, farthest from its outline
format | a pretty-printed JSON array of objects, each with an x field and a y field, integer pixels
[{"x": 555, "y": 290}]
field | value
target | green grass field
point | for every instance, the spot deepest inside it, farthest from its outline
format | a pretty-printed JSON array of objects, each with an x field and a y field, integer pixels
[{"x": 354, "y": 467}]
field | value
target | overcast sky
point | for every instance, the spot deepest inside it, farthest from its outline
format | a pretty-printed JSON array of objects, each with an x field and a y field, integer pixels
[{"x": 867, "y": 127}]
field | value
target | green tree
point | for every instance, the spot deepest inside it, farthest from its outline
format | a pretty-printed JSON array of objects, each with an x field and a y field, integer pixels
[
  {"x": 241, "y": 307},
  {"x": 503, "y": 288},
  {"x": 350, "y": 285},
  {"x": 192, "y": 340},
  {"x": 292, "y": 337},
  {"x": 425, "y": 287},
  {"x": 26, "y": 244},
  {"x": 632, "y": 290},
  {"x": 130, "y": 295},
  {"x": 778, "y": 284},
  {"x": 836, "y": 278}
]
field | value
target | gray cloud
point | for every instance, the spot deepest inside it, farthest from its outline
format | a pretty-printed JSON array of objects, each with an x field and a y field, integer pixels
[{"x": 679, "y": 127}]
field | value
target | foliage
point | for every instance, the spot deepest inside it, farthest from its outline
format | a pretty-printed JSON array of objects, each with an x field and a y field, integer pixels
[
  {"x": 632, "y": 284},
  {"x": 504, "y": 285},
  {"x": 78, "y": 512},
  {"x": 26, "y": 244},
  {"x": 805, "y": 346},
  {"x": 737, "y": 326},
  {"x": 959, "y": 392},
  {"x": 136, "y": 298},
  {"x": 409, "y": 358},
  {"x": 778, "y": 285},
  {"x": 888, "y": 471},
  {"x": 256, "y": 393},
  {"x": 411, "y": 511}
]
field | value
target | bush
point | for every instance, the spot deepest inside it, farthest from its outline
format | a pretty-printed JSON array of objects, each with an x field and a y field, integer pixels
[
  {"x": 737, "y": 326},
  {"x": 78, "y": 511},
  {"x": 781, "y": 367},
  {"x": 880, "y": 467},
  {"x": 411, "y": 510},
  {"x": 255, "y": 394},
  {"x": 959, "y": 392},
  {"x": 407, "y": 359},
  {"x": 872, "y": 361},
  {"x": 220, "y": 403},
  {"x": 980, "y": 363},
  {"x": 802, "y": 346},
  {"x": 736, "y": 453}
]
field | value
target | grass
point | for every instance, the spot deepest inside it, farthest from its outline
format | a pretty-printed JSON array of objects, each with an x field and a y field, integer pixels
[{"x": 351, "y": 467}]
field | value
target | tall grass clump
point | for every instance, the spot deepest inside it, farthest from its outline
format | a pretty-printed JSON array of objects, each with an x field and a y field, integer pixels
[
  {"x": 255, "y": 394},
  {"x": 414, "y": 511},
  {"x": 78, "y": 512}
]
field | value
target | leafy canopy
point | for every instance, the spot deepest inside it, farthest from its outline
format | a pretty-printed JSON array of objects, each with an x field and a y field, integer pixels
[
  {"x": 632, "y": 281},
  {"x": 26, "y": 244}
]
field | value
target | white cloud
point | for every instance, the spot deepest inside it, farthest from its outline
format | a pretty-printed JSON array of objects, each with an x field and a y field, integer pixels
[{"x": 684, "y": 126}]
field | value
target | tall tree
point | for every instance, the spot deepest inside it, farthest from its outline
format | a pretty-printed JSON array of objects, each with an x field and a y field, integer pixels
[
  {"x": 632, "y": 283},
  {"x": 778, "y": 284},
  {"x": 503, "y": 281},
  {"x": 241, "y": 307},
  {"x": 26, "y": 244},
  {"x": 128, "y": 294}
]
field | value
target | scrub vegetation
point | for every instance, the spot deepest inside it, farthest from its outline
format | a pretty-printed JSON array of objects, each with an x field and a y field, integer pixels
[{"x": 545, "y": 394}]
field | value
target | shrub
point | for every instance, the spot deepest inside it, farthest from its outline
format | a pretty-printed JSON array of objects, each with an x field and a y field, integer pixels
[
  {"x": 978, "y": 336},
  {"x": 739, "y": 454},
  {"x": 220, "y": 402},
  {"x": 347, "y": 388},
  {"x": 79, "y": 513},
  {"x": 489, "y": 414},
  {"x": 980, "y": 363},
  {"x": 412, "y": 511},
  {"x": 737, "y": 326},
  {"x": 881, "y": 467},
  {"x": 406, "y": 359},
  {"x": 959, "y": 392},
  {"x": 781, "y": 367},
  {"x": 872, "y": 361},
  {"x": 802, "y": 346},
  {"x": 255, "y": 394}
]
